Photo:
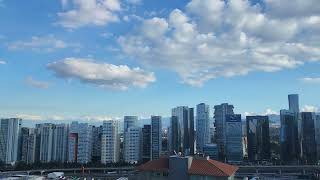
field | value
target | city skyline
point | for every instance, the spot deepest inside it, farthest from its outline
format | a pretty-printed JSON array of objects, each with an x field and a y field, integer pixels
[{"x": 60, "y": 60}]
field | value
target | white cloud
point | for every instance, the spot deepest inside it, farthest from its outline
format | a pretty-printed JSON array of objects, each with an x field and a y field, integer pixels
[
  {"x": 36, "y": 83},
  {"x": 292, "y": 8},
  {"x": 102, "y": 75},
  {"x": 311, "y": 80},
  {"x": 135, "y": 2},
  {"x": 2, "y": 62},
  {"x": 88, "y": 12},
  {"x": 216, "y": 38},
  {"x": 42, "y": 44},
  {"x": 310, "y": 108},
  {"x": 29, "y": 117},
  {"x": 265, "y": 113}
]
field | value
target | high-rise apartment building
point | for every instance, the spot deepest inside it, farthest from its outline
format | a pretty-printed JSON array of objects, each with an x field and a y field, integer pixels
[
  {"x": 258, "y": 139},
  {"x": 110, "y": 142},
  {"x": 46, "y": 142},
  {"x": 220, "y": 113},
  {"x": 60, "y": 142},
  {"x": 202, "y": 127},
  {"x": 233, "y": 146},
  {"x": 185, "y": 133},
  {"x": 130, "y": 121},
  {"x": 132, "y": 145},
  {"x": 80, "y": 143},
  {"x": 309, "y": 145},
  {"x": 146, "y": 143},
  {"x": 289, "y": 141},
  {"x": 9, "y": 139},
  {"x": 156, "y": 137}
]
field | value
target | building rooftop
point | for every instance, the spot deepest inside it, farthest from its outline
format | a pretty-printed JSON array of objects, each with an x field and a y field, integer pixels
[{"x": 199, "y": 166}]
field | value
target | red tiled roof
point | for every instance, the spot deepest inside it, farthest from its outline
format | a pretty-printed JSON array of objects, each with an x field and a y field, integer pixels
[
  {"x": 202, "y": 167},
  {"x": 211, "y": 168},
  {"x": 161, "y": 165}
]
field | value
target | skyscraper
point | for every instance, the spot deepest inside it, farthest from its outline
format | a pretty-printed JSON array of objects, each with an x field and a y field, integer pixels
[
  {"x": 174, "y": 136},
  {"x": 132, "y": 145},
  {"x": 96, "y": 146},
  {"x": 46, "y": 142},
  {"x": 60, "y": 142},
  {"x": 309, "y": 145},
  {"x": 203, "y": 126},
  {"x": 233, "y": 146},
  {"x": 130, "y": 121},
  {"x": 317, "y": 131},
  {"x": 24, "y": 138},
  {"x": 293, "y": 103},
  {"x": 258, "y": 138},
  {"x": 110, "y": 142},
  {"x": 80, "y": 143},
  {"x": 9, "y": 139},
  {"x": 220, "y": 112},
  {"x": 156, "y": 137},
  {"x": 146, "y": 143},
  {"x": 289, "y": 142},
  {"x": 185, "y": 117}
]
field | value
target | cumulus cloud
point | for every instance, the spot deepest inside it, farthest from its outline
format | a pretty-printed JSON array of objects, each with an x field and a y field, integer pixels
[
  {"x": 79, "y": 13},
  {"x": 267, "y": 112},
  {"x": 89, "y": 71},
  {"x": 36, "y": 83},
  {"x": 42, "y": 44},
  {"x": 216, "y": 38},
  {"x": 310, "y": 108},
  {"x": 312, "y": 80}
]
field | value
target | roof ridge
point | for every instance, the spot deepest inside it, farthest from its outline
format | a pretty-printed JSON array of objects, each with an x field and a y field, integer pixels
[{"x": 212, "y": 162}]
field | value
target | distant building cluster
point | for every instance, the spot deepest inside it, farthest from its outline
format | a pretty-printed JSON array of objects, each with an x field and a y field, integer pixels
[{"x": 229, "y": 138}]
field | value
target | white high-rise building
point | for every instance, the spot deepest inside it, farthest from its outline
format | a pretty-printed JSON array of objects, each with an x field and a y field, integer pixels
[
  {"x": 156, "y": 137},
  {"x": 46, "y": 142},
  {"x": 110, "y": 142},
  {"x": 60, "y": 142},
  {"x": 132, "y": 145},
  {"x": 202, "y": 127},
  {"x": 9, "y": 139}
]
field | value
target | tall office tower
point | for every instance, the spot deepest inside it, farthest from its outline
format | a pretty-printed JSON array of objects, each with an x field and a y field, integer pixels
[
  {"x": 203, "y": 126},
  {"x": 309, "y": 145},
  {"x": 156, "y": 137},
  {"x": 46, "y": 142},
  {"x": 220, "y": 112},
  {"x": 293, "y": 103},
  {"x": 258, "y": 138},
  {"x": 146, "y": 143},
  {"x": 9, "y": 139},
  {"x": 132, "y": 145},
  {"x": 60, "y": 142},
  {"x": 289, "y": 142},
  {"x": 234, "y": 150},
  {"x": 96, "y": 146},
  {"x": 185, "y": 118},
  {"x": 80, "y": 143},
  {"x": 110, "y": 142},
  {"x": 174, "y": 136},
  {"x": 24, "y": 136},
  {"x": 130, "y": 121},
  {"x": 317, "y": 131},
  {"x": 293, "y": 100}
]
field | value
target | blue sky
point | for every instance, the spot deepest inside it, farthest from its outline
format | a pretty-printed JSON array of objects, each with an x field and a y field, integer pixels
[{"x": 99, "y": 59}]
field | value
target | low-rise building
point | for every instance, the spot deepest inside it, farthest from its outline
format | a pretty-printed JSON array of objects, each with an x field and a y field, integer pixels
[{"x": 186, "y": 168}]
